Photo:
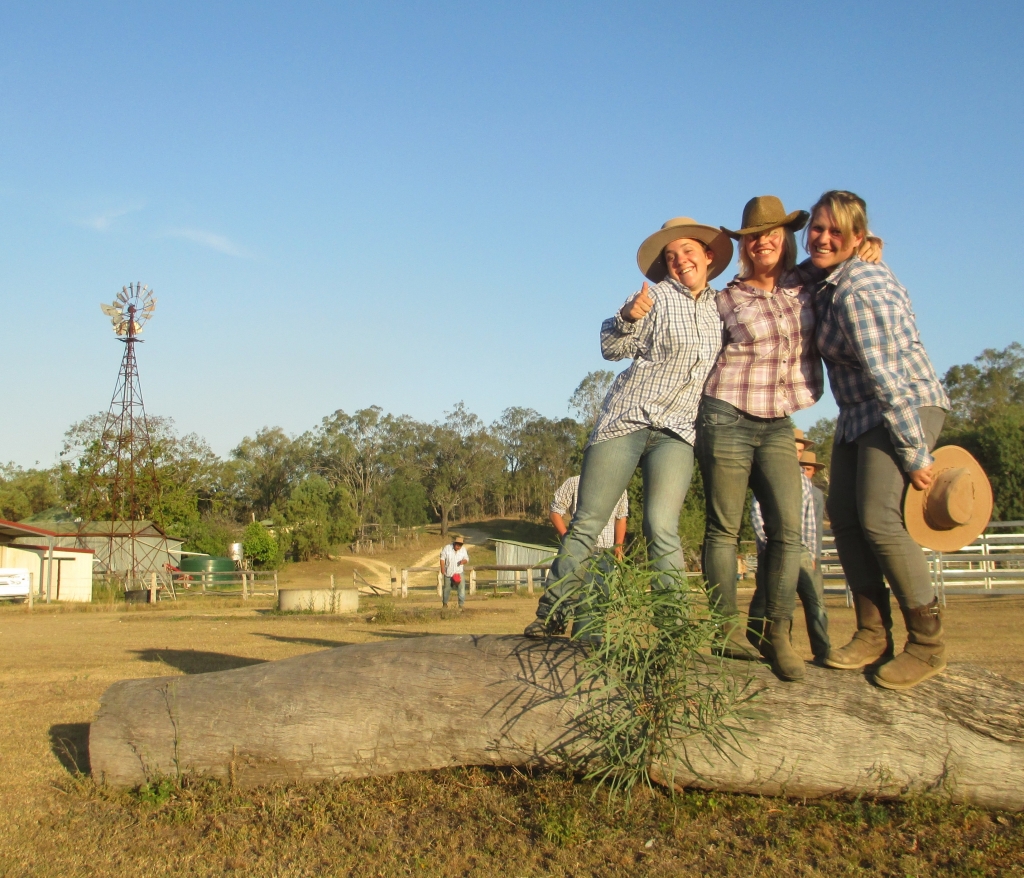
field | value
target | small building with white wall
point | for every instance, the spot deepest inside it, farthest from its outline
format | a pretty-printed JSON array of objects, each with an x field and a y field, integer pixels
[
  {"x": 513, "y": 552},
  {"x": 58, "y": 573}
]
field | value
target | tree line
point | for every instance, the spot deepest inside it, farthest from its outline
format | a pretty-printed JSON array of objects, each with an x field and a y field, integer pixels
[
  {"x": 354, "y": 471},
  {"x": 375, "y": 470}
]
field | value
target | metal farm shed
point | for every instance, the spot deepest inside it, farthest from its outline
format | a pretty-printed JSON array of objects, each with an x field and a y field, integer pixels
[
  {"x": 512, "y": 552},
  {"x": 53, "y": 572},
  {"x": 115, "y": 542}
]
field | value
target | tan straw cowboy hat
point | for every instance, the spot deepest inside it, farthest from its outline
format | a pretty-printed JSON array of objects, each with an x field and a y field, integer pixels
[
  {"x": 652, "y": 263},
  {"x": 809, "y": 458},
  {"x": 956, "y": 509},
  {"x": 765, "y": 212}
]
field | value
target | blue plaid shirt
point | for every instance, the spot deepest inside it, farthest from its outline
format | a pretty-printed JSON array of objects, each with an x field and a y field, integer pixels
[
  {"x": 877, "y": 366},
  {"x": 674, "y": 347},
  {"x": 808, "y": 520}
]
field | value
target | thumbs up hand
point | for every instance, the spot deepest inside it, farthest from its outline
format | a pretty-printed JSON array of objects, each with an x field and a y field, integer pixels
[{"x": 638, "y": 306}]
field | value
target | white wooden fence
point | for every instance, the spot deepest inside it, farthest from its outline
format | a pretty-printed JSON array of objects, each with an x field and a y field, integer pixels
[{"x": 992, "y": 565}]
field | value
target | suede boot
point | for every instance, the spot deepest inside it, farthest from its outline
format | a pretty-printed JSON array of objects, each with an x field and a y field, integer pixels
[
  {"x": 776, "y": 647},
  {"x": 755, "y": 631},
  {"x": 924, "y": 655},
  {"x": 873, "y": 640},
  {"x": 730, "y": 643}
]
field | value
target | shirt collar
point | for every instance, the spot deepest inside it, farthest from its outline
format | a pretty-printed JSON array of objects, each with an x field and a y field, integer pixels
[
  {"x": 785, "y": 285},
  {"x": 685, "y": 290},
  {"x": 835, "y": 276}
]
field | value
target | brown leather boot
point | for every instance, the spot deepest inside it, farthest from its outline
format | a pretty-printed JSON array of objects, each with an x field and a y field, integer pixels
[
  {"x": 924, "y": 655},
  {"x": 873, "y": 640},
  {"x": 730, "y": 642},
  {"x": 775, "y": 646}
]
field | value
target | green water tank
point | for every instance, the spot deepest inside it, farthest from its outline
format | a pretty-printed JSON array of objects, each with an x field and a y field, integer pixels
[{"x": 221, "y": 569}]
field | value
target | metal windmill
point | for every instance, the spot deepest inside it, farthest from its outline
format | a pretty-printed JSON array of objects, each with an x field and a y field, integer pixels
[{"x": 123, "y": 488}]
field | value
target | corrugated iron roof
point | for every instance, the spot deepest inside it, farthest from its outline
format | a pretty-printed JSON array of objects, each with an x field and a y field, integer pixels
[{"x": 548, "y": 548}]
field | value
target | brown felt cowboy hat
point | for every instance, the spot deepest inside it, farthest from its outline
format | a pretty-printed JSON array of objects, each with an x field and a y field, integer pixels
[
  {"x": 652, "y": 263},
  {"x": 809, "y": 458},
  {"x": 798, "y": 434},
  {"x": 956, "y": 509},
  {"x": 764, "y": 213}
]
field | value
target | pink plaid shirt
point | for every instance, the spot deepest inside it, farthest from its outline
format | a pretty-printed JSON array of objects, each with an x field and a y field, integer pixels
[{"x": 769, "y": 366}]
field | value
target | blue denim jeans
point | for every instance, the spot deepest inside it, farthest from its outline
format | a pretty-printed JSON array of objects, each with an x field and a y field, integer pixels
[
  {"x": 446, "y": 590},
  {"x": 666, "y": 462},
  {"x": 737, "y": 450},
  {"x": 865, "y": 506}
]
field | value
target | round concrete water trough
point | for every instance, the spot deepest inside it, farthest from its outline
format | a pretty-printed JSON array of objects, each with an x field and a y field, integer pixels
[{"x": 318, "y": 600}]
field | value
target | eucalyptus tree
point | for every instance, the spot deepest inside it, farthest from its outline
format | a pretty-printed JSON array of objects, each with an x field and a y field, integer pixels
[
  {"x": 460, "y": 456},
  {"x": 363, "y": 451},
  {"x": 589, "y": 394},
  {"x": 24, "y": 492},
  {"x": 265, "y": 467},
  {"x": 987, "y": 418},
  {"x": 181, "y": 478}
]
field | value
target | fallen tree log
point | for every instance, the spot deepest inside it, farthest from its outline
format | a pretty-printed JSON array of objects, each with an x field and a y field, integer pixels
[{"x": 436, "y": 702}]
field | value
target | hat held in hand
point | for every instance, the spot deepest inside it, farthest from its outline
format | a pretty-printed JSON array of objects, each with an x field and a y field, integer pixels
[{"x": 956, "y": 509}]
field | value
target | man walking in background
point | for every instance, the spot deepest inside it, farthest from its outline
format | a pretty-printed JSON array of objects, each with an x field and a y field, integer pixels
[
  {"x": 453, "y": 557},
  {"x": 551, "y": 619}
]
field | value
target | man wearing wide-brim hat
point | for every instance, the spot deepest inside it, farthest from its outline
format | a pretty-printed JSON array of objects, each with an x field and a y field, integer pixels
[{"x": 673, "y": 333}]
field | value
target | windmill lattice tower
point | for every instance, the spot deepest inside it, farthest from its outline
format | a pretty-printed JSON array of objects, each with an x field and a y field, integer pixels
[{"x": 123, "y": 488}]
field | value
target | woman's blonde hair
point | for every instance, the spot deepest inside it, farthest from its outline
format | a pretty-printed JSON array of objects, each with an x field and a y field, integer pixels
[
  {"x": 848, "y": 210},
  {"x": 788, "y": 254}
]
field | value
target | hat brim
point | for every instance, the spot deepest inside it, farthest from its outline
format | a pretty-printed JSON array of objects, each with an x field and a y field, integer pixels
[
  {"x": 955, "y": 538},
  {"x": 795, "y": 221},
  {"x": 815, "y": 464},
  {"x": 807, "y": 443},
  {"x": 651, "y": 262}
]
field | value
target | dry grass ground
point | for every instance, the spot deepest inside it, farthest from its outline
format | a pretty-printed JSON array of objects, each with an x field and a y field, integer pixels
[{"x": 55, "y": 662}]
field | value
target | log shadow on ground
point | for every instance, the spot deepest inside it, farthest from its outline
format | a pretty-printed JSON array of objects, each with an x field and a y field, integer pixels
[
  {"x": 311, "y": 641},
  {"x": 195, "y": 661},
  {"x": 69, "y": 742}
]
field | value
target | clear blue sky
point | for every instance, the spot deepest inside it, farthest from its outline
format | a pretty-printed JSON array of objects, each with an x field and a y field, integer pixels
[{"x": 414, "y": 204}]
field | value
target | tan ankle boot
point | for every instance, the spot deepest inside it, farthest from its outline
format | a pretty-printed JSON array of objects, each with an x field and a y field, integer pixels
[
  {"x": 872, "y": 641},
  {"x": 731, "y": 642},
  {"x": 924, "y": 655},
  {"x": 777, "y": 648}
]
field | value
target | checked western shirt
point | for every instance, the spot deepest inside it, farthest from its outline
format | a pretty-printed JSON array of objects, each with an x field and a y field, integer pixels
[
  {"x": 566, "y": 499},
  {"x": 769, "y": 366},
  {"x": 878, "y": 368},
  {"x": 674, "y": 347},
  {"x": 808, "y": 525}
]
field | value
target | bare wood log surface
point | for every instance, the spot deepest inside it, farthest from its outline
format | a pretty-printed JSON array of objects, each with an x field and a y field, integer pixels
[{"x": 435, "y": 702}]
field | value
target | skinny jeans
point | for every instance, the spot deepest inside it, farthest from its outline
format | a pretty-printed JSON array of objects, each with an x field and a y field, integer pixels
[
  {"x": 575, "y": 597},
  {"x": 865, "y": 505},
  {"x": 737, "y": 450},
  {"x": 666, "y": 463},
  {"x": 810, "y": 588}
]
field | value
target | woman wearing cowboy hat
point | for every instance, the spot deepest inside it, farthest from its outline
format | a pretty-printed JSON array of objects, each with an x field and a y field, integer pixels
[
  {"x": 891, "y": 409},
  {"x": 673, "y": 333},
  {"x": 768, "y": 369}
]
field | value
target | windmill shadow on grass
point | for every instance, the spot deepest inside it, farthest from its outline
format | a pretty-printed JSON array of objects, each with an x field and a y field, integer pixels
[
  {"x": 69, "y": 742},
  {"x": 195, "y": 661}
]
